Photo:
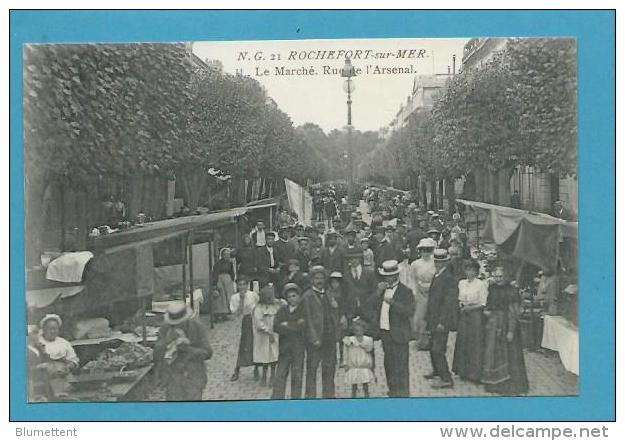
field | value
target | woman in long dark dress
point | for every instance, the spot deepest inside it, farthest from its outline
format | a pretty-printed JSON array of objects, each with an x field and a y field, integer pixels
[
  {"x": 223, "y": 271},
  {"x": 504, "y": 364},
  {"x": 469, "y": 351},
  {"x": 245, "y": 258}
]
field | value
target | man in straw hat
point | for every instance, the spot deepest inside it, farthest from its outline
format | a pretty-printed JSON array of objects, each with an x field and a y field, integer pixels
[
  {"x": 180, "y": 353},
  {"x": 321, "y": 331},
  {"x": 395, "y": 307},
  {"x": 442, "y": 317}
]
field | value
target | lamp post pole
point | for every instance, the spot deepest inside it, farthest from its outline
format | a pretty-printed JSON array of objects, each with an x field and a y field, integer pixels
[
  {"x": 350, "y": 186},
  {"x": 348, "y": 72}
]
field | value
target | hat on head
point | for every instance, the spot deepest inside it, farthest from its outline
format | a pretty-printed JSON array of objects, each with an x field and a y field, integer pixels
[
  {"x": 412, "y": 205},
  {"x": 349, "y": 230},
  {"x": 268, "y": 289},
  {"x": 178, "y": 312},
  {"x": 433, "y": 230},
  {"x": 291, "y": 287},
  {"x": 336, "y": 275},
  {"x": 316, "y": 269},
  {"x": 259, "y": 220},
  {"x": 389, "y": 268},
  {"x": 456, "y": 216},
  {"x": 472, "y": 264},
  {"x": 51, "y": 317},
  {"x": 427, "y": 242},
  {"x": 434, "y": 215},
  {"x": 303, "y": 239},
  {"x": 430, "y": 212},
  {"x": 284, "y": 227},
  {"x": 332, "y": 232},
  {"x": 441, "y": 255},
  {"x": 364, "y": 239}
]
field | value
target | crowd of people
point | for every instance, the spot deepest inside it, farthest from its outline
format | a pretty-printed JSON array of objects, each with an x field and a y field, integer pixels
[{"x": 316, "y": 298}]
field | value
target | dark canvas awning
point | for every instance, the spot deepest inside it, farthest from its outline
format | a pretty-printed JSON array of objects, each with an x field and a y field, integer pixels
[{"x": 532, "y": 237}]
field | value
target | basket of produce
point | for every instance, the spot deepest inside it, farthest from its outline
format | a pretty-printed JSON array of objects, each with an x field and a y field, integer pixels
[{"x": 127, "y": 356}]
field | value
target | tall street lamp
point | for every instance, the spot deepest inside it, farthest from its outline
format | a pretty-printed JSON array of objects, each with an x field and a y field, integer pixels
[{"x": 348, "y": 71}]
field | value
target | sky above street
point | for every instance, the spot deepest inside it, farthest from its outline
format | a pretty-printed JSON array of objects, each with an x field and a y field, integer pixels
[{"x": 302, "y": 75}]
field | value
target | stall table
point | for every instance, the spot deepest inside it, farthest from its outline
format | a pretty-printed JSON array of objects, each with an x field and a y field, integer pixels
[
  {"x": 135, "y": 390},
  {"x": 562, "y": 336}
]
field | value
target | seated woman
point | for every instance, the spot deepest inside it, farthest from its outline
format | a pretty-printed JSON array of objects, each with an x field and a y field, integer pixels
[
  {"x": 56, "y": 355},
  {"x": 56, "y": 350}
]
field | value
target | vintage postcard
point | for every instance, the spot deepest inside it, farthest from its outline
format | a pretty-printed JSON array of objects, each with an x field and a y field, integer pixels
[{"x": 254, "y": 220}]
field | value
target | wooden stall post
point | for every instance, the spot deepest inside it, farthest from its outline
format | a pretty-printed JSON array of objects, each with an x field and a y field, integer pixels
[
  {"x": 184, "y": 268},
  {"x": 190, "y": 248}
]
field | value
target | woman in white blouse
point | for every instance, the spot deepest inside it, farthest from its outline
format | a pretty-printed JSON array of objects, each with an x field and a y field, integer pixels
[{"x": 472, "y": 296}]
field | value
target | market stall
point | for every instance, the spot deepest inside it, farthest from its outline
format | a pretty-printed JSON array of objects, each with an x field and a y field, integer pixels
[
  {"x": 536, "y": 241},
  {"x": 107, "y": 304}
]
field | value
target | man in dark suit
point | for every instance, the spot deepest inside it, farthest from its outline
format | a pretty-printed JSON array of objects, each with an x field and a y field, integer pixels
[
  {"x": 332, "y": 254},
  {"x": 442, "y": 317},
  {"x": 395, "y": 308},
  {"x": 268, "y": 261},
  {"x": 360, "y": 290},
  {"x": 286, "y": 248},
  {"x": 321, "y": 331},
  {"x": 384, "y": 249}
]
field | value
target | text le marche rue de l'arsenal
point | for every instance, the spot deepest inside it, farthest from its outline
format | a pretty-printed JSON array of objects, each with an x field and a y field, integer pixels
[{"x": 371, "y": 69}]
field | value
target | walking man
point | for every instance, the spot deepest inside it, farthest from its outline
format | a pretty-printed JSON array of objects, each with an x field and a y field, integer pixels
[
  {"x": 442, "y": 317},
  {"x": 395, "y": 308}
]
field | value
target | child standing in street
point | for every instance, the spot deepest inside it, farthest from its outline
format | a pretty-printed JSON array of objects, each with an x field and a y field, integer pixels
[
  {"x": 289, "y": 324},
  {"x": 242, "y": 303},
  {"x": 265, "y": 339},
  {"x": 359, "y": 358}
]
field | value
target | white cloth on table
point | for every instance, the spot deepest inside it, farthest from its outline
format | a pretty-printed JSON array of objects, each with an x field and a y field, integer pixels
[
  {"x": 472, "y": 292},
  {"x": 68, "y": 267},
  {"x": 562, "y": 336}
]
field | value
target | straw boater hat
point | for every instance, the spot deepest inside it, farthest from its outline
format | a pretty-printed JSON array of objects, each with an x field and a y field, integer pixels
[
  {"x": 441, "y": 255},
  {"x": 336, "y": 275},
  {"x": 178, "y": 312},
  {"x": 427, "y": 242},
  {"x": 389, "y": 268}
]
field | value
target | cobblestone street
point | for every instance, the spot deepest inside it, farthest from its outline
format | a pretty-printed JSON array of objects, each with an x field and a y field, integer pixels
[{"x": 546, "y": 373}]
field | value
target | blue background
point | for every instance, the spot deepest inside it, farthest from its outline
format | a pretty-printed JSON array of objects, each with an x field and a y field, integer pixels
[{"x": 594, "y": 31}]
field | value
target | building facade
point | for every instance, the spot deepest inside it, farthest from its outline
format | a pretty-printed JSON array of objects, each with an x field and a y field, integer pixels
[{"x": 537, "y": 190}]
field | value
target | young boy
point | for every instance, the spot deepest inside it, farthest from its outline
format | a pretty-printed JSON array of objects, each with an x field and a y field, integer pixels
[
  {"x": 289, "y": 324},
  {"x": 242, "y": 303}
]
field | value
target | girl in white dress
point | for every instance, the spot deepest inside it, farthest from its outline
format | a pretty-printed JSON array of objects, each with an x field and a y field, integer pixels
[
  {"x": 265, "y": 352},
  {"x": 359, "y": 358}
]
